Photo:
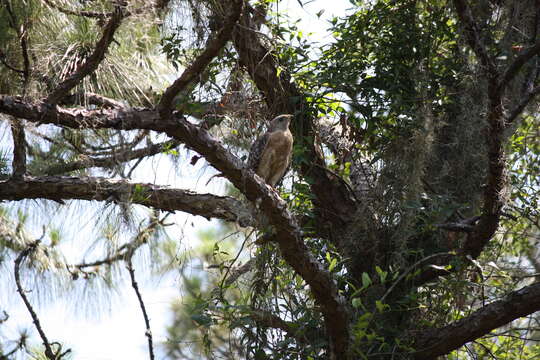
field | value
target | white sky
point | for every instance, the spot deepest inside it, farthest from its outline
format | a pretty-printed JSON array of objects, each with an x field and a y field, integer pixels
[{"x": 119, "y": 332}]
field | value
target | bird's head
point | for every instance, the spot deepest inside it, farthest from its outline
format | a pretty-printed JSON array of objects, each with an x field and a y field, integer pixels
[{"x": 281, "y": 122}]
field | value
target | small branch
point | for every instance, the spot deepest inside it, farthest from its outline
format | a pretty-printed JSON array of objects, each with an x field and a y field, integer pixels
[
  {"x": 90, "y": 14},
  {"x": 269, "y": 320},
  {"x": 125, "y": 251},
  {"x": 521, "y": 106},
  {"x": 135, "y": 287},
  {"x": 92, "y": 62},
  {"x": 472, "y": 35},
  {"x": 111, "y": 161},
  {"x": 94, "y": 99},
  {"x": 409, "y": 270},
  {"x": 19, "y": 148},
  {"x": 6, "y": 64},
  {"x": 436, "y": 342},
  {"x": 48, "y": 349},
  {"x": 517, "y": 64},
  {"x": 213, "y": 46}
]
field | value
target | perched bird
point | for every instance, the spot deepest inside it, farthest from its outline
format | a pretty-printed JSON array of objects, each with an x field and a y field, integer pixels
[{"x": 270, "y": 154}]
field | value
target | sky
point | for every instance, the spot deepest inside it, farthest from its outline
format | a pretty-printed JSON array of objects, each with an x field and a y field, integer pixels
[{"x": 118, "y": 332}]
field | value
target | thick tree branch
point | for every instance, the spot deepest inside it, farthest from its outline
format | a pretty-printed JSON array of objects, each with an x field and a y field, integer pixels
[
  {"x": 92, "y": 62},
  {"x": 213, "y": 46},
  {"x": 436, "y": 342},
  {"x": 472, "y": 35},
  {"x": 66, "y": 188},
  {"x": 19, "y": 148},
  {"x": 287, "y": 233}
]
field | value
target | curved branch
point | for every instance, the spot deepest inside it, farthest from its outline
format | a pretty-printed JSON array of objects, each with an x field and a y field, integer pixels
[
  {"x": 92, "y": 62},
  {"x": 49, "y": 353},
  {"x": 436, "y": 342},
  {"x": 518, "y": 63},
  {"x": 163, "y": 198},
  {"x": 213, "y": 46},
  {"x": 521, "y": 106}
]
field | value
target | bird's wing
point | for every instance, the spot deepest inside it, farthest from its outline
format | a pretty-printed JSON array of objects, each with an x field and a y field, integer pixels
[{"x": 256, "y": 151}]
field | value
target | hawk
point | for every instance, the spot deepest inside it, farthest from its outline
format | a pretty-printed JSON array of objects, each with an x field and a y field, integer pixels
[{"x": 270, "y": 154}]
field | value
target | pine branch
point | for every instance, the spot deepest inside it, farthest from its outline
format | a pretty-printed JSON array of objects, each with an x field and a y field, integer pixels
[
  {"x": 113, "y": 160},
  {"x": 92, "y": 62},
  {"x": 19, "y": 148},
  {"x": 99, "y": 189},
  {"x": 212, "y": 49}
]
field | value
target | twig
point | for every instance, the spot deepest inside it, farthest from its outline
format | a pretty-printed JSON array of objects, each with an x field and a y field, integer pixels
[
  {"x": 32, "y": 247},
  {"x": 409, "y": 269},
  {"x": 135, "y": 287},
  {"x": 115, "y": 159}
]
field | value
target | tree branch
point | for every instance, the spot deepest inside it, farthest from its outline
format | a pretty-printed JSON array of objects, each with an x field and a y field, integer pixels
[
  {"x": 19, "y": 148},
  {"x": 111, "y": 161},
  {"x": 92, "y": 62},
  {"x": 158, "y": 197},
  {"x": 213, "y": 46},
  {"x": 287, "y": 233},
  {"x": 269, "y": 320},
  {"x": 49, "y": 353},
  {"x": 94, "y": 99},
  {"x": 521, "y": 106},
  {"x": 517, "y": 64},
  {"x": 135, "y": 287},
  {"x": 90, "y": 14},
  {"x": 472, "y": 35},
  {"x": 436, "y": 342}
]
